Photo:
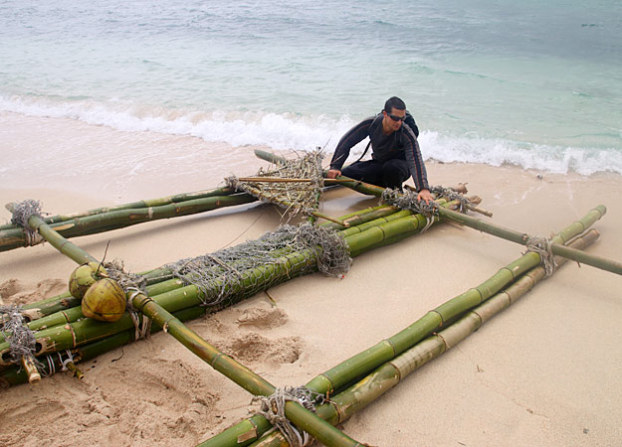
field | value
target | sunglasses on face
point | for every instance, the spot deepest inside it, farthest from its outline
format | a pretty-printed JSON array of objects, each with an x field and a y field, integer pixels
[{"x": 397, "y": 118}]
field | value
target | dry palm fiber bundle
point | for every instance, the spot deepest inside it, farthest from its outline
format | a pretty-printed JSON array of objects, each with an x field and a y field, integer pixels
[{"x": 296, "y": 197}]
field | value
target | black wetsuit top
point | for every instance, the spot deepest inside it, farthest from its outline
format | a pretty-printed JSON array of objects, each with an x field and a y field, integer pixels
[{"x": 401, "y": 144}]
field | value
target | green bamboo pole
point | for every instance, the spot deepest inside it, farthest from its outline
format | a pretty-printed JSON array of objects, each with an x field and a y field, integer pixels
[
  {"x": 339, "y": 376},
  {"x": 43, "y": 314},
  {"x": 523, "y": 238},
  {"x": 511, "y": 235},
  {"x": 360, "y": 394},
  {"x": 74, "y": 313},
  {"x": 82, "y": 226},
  {"x": 241, "y": 375},
  {"x": 360, "y": 364},
  {"x": 15, "y": 375},
  {"x": 56, "y": 240},
  {"x": 251, "y": 281},
  {"x": 139, "y": 204}
]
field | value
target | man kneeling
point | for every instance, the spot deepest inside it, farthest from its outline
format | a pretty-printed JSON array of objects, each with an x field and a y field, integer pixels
[{"x": 395, "y": 151}]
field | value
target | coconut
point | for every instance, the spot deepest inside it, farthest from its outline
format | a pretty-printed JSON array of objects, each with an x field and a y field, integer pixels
[
  {"x": 104, "y": 300},
  {"x": 83, "y": 277}
]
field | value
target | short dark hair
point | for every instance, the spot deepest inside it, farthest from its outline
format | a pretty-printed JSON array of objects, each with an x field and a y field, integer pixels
[{"x": 394, "y": 103}]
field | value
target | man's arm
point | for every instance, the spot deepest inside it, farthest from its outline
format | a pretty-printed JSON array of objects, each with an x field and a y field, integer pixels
[
  {"x": 349, "y": 139},
  {"x": 415, "y": 161}
]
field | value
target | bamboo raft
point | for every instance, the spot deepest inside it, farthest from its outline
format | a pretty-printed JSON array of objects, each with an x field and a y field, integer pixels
[{"x": 58, "y": 335}]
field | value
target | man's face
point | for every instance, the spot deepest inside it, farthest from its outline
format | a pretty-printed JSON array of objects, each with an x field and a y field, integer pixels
[{"x": 394, "y": 119}]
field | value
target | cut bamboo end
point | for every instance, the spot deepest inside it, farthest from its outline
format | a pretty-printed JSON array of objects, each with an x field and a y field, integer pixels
[
  {"x": 31, "y": 370},
  {"x": 74, "y": 369}
]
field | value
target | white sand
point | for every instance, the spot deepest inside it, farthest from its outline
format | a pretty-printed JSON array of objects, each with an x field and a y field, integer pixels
[{"x": 547, "y": 371}]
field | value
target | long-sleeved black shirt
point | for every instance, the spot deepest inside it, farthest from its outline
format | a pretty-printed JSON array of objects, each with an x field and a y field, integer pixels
[{"x": 400, "y": 144}]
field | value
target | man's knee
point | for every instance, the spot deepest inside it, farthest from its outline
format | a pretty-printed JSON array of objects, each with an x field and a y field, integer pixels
[{"x": 395, "y": 172}]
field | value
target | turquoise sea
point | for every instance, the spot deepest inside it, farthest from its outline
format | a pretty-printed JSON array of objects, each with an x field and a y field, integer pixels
[{"x": 533, "y": 84}]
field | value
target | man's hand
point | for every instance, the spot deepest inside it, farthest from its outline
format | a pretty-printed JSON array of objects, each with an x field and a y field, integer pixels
[
  {"x": 425, "y": 195},
  {"x": 333, "y": 173}
]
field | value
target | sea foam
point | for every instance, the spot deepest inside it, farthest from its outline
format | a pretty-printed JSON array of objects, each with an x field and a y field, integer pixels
[{"x": 297, "y": 132}]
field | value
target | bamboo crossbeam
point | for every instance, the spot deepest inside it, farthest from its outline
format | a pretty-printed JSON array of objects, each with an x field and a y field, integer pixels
[
  {"x": 287, "y": 180},
  {"x": 134, "y": 205},
  {"x": 56, "y": 240},
  {"x": 107, "y": 221},
  {"x": 523, "y": 238},
  {"x": 383, "y": 376},
  {"x": 506, "y": 233}
]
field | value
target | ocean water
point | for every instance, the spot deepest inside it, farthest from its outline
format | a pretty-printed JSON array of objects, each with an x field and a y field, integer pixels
[{"x": 533, "y": 84}]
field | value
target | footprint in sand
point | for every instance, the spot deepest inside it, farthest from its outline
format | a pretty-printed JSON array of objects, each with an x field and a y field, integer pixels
[
  {"x": 254, "y": 347},
  {"x": 12, "y": 291},
  {"x": 9, "y": 288},
  {"x": 262, "y": 318}
]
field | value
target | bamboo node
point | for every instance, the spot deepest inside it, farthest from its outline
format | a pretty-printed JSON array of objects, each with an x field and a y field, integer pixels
[{"x": 273, "y": 409}]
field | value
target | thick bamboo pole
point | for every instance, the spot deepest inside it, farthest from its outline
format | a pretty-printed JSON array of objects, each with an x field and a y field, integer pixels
[
  {"x": 56, "y": 240},
  {"x": 74, "y": 313},
  {"x": 49, "y": 364},
  {"x": 140, "y": 204},
  {"x": 66, "y": 309},
  {"x": 288, "y": 266},
  {"x": 362, "y": 363},
  {"x": 81, "y": 226},
  {"x": 360, "y": 394}
]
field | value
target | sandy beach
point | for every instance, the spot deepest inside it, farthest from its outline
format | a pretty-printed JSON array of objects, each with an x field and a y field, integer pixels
[{"x": 545, "y": 372}]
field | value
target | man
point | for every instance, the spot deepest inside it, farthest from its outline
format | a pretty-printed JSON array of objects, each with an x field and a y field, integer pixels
[{"x": 395, "y": 151}]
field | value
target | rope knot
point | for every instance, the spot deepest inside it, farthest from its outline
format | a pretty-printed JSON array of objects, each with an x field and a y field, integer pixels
[
  {"x": 22, "y": 212},
  {"x": 132, "y": 284},
  {"x": 543, "y": 247},
  {"x": 21, "y": 339},
  {"x": 273, "y": 408},
  {"x": 450, "y": 194}
]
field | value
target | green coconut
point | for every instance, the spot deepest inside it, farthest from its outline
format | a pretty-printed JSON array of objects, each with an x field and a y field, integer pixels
[
  {"x": 104, "y": 300},
  {"x": 83, "y": 277}
]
